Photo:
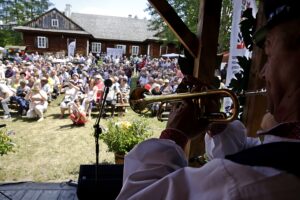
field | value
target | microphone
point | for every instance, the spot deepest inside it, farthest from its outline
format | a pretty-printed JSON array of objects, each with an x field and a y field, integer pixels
[
  {"x": 98, "y": 129},
  {"x": 108, "y": 83}
]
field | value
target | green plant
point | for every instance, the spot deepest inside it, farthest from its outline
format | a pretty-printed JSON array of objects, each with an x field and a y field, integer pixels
[
  {"x": 6, "y": 144},
  {"x": 121, "y": 137}
]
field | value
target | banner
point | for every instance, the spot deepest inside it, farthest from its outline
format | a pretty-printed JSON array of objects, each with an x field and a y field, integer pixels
[
  {"x": 237, "y": 46},
  {"x": 114, "y": 52},
  {"x": 71, "y": 48}
]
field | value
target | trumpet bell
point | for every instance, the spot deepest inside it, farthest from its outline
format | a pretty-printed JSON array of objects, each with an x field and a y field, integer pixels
[{"x": 137, "y": 102}]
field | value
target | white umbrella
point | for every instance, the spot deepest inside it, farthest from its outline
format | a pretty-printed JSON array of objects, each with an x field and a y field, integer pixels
[{"x": 171, "y": 55}]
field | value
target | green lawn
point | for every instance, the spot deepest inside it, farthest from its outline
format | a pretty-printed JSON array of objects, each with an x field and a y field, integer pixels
[{"x": 53, "y": 150}]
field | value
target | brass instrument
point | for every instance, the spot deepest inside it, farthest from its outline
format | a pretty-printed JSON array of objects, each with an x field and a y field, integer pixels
[
  {"x": 140, "y": 101},
  {"x": 253, "y": 93}
]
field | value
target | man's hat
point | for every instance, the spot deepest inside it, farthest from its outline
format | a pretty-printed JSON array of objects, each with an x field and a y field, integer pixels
[
  {"x": 98, "y": 76},
  {"x": 75, "y": 74},
  {"x": 276, "y": 12},
  {"x": 44, "y": 79}
]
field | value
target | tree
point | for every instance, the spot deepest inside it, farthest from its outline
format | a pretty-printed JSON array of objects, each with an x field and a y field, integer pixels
[
  {"x": 225, "y": 26},
  {"x": 17, "y": 12},
  {"x": 188, "y": 11},
  {"x": 20, "y": 11}
]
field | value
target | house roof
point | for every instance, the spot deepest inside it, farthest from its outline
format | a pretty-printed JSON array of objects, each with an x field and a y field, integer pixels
[
  {"x": 26, "y": 28},
  {"x": 34, "y": 25},
  {"x": 114, "y": 28}
]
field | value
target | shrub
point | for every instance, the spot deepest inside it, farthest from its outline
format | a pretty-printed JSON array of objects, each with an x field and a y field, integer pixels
[
  {"x": 6, "y": 144},
  {"x": 121, "y": 137}
]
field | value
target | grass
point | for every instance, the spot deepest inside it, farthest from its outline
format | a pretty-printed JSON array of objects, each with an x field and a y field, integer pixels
[{"x": 54, "y": 149}]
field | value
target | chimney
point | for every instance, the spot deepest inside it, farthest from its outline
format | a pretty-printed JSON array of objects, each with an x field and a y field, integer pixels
[
  {"x": 129, "y": 16},
  {"x": 68, "y": 10}
]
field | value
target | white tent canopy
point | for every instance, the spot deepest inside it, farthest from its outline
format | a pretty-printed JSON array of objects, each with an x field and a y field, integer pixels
[{"x": 172, "y": 55}]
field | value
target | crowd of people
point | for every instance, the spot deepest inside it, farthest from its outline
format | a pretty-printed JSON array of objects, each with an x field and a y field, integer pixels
[
  {"x": 32, "y": 81},
  {"x": 239, "y": 167}
]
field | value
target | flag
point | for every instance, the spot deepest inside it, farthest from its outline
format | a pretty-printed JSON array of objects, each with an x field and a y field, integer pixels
[
  {"x": 237, "y": 45},
  {"x": 71, "y": 48}
]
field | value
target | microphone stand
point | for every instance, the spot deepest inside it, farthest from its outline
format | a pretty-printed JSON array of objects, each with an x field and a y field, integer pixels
[{"x": 97, "y": 128}]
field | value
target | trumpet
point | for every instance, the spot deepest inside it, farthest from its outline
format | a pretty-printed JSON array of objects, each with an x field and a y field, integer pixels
[{"x": 140, "y": 101}]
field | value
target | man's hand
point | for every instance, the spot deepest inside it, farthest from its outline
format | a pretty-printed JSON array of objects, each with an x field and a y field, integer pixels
[{"x": 185, "y": 118}]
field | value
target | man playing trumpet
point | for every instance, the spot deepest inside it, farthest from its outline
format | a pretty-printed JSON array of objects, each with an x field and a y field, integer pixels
[{"x": 157, "y": 168}]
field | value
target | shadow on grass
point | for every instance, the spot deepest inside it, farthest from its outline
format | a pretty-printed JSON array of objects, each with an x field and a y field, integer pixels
[
  {"x": 68, "y": 126},
  {"x": 56, "y": 116},
  {"x": 24, "y": 119}
]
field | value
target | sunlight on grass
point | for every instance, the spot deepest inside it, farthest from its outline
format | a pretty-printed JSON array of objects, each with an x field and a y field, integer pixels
[{"x": 53, "y": 150}]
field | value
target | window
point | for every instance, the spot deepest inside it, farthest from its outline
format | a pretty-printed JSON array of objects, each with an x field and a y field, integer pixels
[
  {"x": 54, "y": 22},
  {"x": 135, "y": 50},
  {"x": 121, "y": 46},
  {"x": 42, "y": 42},
  {"x": 96, "y": 47}
]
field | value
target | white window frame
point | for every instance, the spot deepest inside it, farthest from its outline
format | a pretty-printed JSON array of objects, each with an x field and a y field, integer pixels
[
  {"x": 42, "y": 42},
  {"x": 135, "y": 50},
  {"x": 121, "y": 46},
  {"x": 54, "y": 23},
  {"x": 96, "y": 47}
]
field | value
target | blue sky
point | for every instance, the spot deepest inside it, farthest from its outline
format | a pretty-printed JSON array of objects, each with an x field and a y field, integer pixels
[{"x": 120, "y": 8}]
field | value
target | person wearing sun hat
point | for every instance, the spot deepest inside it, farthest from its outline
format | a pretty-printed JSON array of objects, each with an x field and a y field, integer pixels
[
  {"x": 166, "y": 88},
  {"x": 158, "y": 168}
]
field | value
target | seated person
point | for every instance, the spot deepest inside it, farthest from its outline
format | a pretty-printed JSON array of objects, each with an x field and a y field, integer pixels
[
  {"x": 124, "y": 90},
  {"x": 90, "y": 97},
  {"x": 5, "y": 95},
  {"x": 38, "y": 102},
  {"x": 155, "y": 89},
  {"x": 22, "y": 91},
  {"x": 99, "y": 85},
  {"x": 47, "y": 88},
  {"x": 70, "y": 91},
  {"x": 111, "y": 98},
  {"x": 77, "y": 115}
]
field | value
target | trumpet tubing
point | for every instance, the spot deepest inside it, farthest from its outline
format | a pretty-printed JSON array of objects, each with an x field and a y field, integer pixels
[
  {"x": 261, "y": 92},
  {"x": 140, "y": 100}
]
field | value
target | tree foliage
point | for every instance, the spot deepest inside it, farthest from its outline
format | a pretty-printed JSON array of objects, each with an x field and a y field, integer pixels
[
  {"x": 188, "y": 11},
  {"x": 20, "y": 11},
  {"x": 10, "y": 37},
  {"x": 17, "y": 12},
  {"x": 225, "y": 26}
]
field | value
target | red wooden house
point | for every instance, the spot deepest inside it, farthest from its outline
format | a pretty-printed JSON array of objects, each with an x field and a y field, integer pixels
[{"x": 53, "y": 31}]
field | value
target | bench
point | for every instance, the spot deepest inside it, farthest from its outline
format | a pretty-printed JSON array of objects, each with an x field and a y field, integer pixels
[{"x": 120, "y": 108}]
